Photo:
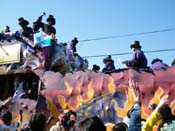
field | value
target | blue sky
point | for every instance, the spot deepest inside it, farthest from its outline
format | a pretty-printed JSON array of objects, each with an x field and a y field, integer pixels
[{"x": 102, "y": 18}]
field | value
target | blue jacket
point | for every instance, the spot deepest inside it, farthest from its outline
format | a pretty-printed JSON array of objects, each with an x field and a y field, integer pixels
[
  {"x": 135, "y": 120},
  {"x": 138, "y": 60}
]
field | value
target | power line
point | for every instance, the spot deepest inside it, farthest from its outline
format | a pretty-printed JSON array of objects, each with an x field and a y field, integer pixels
[
  {"x": 126, "y": 35},
  {"x": 119, "y": 54}
]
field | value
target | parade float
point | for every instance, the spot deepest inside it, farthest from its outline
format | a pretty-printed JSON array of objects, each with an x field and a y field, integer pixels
[{"x": 85, "y": 91}]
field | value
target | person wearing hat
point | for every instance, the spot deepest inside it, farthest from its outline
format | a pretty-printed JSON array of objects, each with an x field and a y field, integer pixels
[
  {"x": 50, "y": 30},
  {"x": 139, "y": 59},
  {"x": 8, "y": 124},
  {"x": 26, "y": 31},
  {"x": 6, "y": 34},
  {"x": 109, "y": 65},
  {"x": 73, "y": 44},
  {"x": 158, "y": 64},
  {"x": 49, "y": 27}
]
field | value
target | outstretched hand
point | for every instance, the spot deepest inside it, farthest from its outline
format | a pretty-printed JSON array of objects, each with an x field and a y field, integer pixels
[
  {"x": 163, "y": 100},
  {"x": 134, "y": 89}
]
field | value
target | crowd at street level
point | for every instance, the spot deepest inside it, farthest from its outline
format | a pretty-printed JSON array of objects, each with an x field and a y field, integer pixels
[{"x": 67, "y": 120}]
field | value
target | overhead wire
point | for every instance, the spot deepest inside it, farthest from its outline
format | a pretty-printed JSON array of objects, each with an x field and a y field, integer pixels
[
  {"x": 126, "y": 35},
  {"x": 119, "y": 54}
]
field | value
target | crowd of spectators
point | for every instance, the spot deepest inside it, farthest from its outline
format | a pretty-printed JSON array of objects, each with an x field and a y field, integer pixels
[{"x": 161, "y": 117}]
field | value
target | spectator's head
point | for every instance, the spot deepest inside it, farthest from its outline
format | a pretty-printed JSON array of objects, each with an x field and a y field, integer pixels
[
  {"x": 37, "y": 122},
  {"x": 136, "y": 45},
  {"x": 121, "y": 126},
  {"x": 173, "y": 63},
  {"x": 7, "y": 117},
  {"x": 168, "y": 118},
  {"x": 73, "y": 115},
  {"x": 23, "y": 22},
  {"x": 90, "y": 124},
  {"x": 51, "y": 20},
  {"x": 68, "y": 119},
  {"x": 166, "y": 113}
]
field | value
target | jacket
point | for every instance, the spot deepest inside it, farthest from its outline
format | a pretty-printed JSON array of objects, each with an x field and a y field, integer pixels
[
  {"x": 138, "y": 60},
  {"x": 150, "y": 122}
]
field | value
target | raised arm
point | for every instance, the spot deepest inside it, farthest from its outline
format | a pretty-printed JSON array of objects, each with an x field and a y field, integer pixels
[
  {"x": 155, "y": 115},
  {"x": 135, "y": 111}
]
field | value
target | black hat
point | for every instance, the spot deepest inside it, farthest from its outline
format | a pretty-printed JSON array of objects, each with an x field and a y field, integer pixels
[
  {"x": 22, "y": 21},
  {"x": 108, "y": 59},
  {"x": 52, "y": 19},
  {"x": 96, "y": 67},
  {"x": 136, "y": 44},
  {"x": 156, "y": 60},
  {"x": 75, "y": 40}
]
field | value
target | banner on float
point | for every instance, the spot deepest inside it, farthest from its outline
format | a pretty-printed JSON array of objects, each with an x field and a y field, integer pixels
[
  {"x": 10, "y": 53},
  {"x": 42, "y": 39}
]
